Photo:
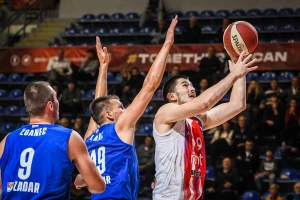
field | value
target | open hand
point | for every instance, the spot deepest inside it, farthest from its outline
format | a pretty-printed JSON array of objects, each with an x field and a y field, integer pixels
[
  {"x": 102, "y": 53},
  {"x": 243, "y": 65},
  {"x": 170, "y": 34}
]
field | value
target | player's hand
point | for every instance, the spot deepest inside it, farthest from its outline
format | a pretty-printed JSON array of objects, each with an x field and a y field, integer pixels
[
  {"x": 102, "y": 53},
  {"x": 79, "y": 182},
  {"x": 170, "y": 34},
  {"x": 242, "y": 66}
]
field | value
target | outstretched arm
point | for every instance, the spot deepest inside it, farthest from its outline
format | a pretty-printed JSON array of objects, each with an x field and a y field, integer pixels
[
  {"x": 101, "y": 85},
  {"x": 226, "y": 111},
  {"x": 126, "y": 123}
]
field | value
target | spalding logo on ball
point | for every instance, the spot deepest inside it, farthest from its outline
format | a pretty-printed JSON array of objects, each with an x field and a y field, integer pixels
[{"x": 240, "y": 36}]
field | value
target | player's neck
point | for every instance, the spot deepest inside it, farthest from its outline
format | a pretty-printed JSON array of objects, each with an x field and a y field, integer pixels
[{"x": 40, "y": 120}]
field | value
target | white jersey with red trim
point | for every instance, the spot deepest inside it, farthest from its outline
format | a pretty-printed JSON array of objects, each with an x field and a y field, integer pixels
[{"x": 180, "y": 161}]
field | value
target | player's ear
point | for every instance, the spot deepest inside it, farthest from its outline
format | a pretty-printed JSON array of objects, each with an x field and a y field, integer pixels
[
  {"x": 50, "y": 105},
  {"x": 171, "y": 96},
  {"x": 109, "y": 115}
]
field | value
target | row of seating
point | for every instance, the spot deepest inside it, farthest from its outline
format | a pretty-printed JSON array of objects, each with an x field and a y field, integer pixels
[
  {"x": 268, "y": 76},
  {"x": 254, "y": 195},
  {"x": 202, "y": 14}
]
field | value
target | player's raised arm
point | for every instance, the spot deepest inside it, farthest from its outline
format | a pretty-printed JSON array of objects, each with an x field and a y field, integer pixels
[
  {"x": 126, "y": 123},
  {"x": 171, "y": 112},
  {"x": 101, "y": 85},
  {"x": 79, "y": 155}
]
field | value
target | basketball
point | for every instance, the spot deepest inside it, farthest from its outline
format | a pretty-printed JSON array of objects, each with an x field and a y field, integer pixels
[{"x": 240, "y": 36}]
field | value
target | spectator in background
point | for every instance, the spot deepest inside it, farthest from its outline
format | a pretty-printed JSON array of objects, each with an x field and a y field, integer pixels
[
  {"x": 290, "y": 135},
  {"x": 155, "y": 8},
  {"x": 64, "y": 122},
  {"x": 294, "y": 91},
  {"x": 296, "y": 195},
  {"x": 221, "y": 142},
  {"x": 274, "y": 90},
  {"x": 274, "y": 190},
  {"x": 241, "y": 134},
  {"x": 71, "y": 100},
  {"x": 59, "y": 69},
  {"x": 247, "y": 162},
  {"x": 56, "y": 88},
  {"x": 79, "y": 126},
  {"x": 203, "y": 85},
  {"x": 159, "y": 34},
  {"x": 254, "y": 95},
  {"x": 192, "y": 33},
  {"x": 136, "y": 80},
  {"x": 145, "y": 154},
  {"x": 210, "y": 65},
  {"x": 268, "y": 168},
  {"x": 88, "y": 68},
  {"x": 175, "y": 71},
  {"x": 221, "y": 30},
  {"x": 226, "y": 183}
]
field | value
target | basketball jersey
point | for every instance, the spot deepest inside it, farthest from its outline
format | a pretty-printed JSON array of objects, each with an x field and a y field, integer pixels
[
  {"x": 116, "y": 161},
  {"x": 35, "y": 163},
  {"x": 180, "y": 161}
]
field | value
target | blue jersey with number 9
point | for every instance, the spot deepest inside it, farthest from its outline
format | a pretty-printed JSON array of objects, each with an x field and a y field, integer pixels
[
  {"x": 35, "y": 163},
  {"x": 116, "y": 161}
]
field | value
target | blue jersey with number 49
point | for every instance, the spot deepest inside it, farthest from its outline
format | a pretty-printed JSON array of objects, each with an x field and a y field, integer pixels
[
  {"x": 116, "y": 161},
  {"x": 35, "y": 163}
]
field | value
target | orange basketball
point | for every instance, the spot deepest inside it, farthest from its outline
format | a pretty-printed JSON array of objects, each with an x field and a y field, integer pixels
[{"x": 240, "y": 36}]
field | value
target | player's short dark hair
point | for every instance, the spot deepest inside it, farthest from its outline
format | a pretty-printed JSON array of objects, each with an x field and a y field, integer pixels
[
  {"x": 99, "y": 106},
  {"x": 170, "y": 84},
  {"x": 36, "y": 97}
]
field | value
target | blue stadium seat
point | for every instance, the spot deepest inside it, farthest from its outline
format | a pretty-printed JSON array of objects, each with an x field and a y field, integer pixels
[
  {"x": 117, "y": 16},
  {"x": 210, "y": 173},
  {"x": 12, "y": 110},
  {"x": 272, "y": 27},
  {"x": 16, "y": 93},
  {"x": 178, "y": 29},
  {"x": 254, "y": 12},
  {"x": 88, "y": 17},
  {"x": 238, "y": 13},
  {"x": 252, "y": 76},
  {"x": 82, "y": 92},
  {"x": 3, "y": 94},
  {"x": 258, "y": 27},
  {"x": 86, "y": 112},
  {"x": 103, "y": 16},
  {"x": 208, "y": 29},
  {"x": 145, "y": 129},
  {"x": 149, "y": 110},
  {"x": 191, "y": 13},
  {"x": 90, "y": 94},
  {"x": 132, "y": 16},
  {"x": 7, "y": 127},
  {"x": 251, "y": 195},
  {"x": 118, "y": 77},
  {"x": 86, "y": 31},
  {"x": 289, "y": 27},
  {"x": 14, "y": 77},
  {"x": 2, "y": 78},
  {"x": 72, "y": 31},
  {"x": 173, "y": 14},
  {"x": 297, "y": 12},
  {"x": 207, "y": 13},
  {"x": 158, "y": 94},
  {"x": 28, "y": 77},
  {"x": 267, "y": 76},
  {"x": 147, "y": 30},
  {"x": 116, "y": 30},
  {"x": 1, "y": 110},
  {"x": 223, "y": 13},
  {"x": 19, "y": 125},
  {"x": 110, "y": 77},
  {"x": 270, "y": 12},
  {"x": 286, "y": 11},
  {"x": 289, "y": 174},
  {"x": 285, "y": 76},
  {"x": 23, "y": 111},
  {"x": 102, "y": 31},
  {"x": 132, "y": 30}
]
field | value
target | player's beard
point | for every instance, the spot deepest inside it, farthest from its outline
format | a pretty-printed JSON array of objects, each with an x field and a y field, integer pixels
[{"x": 181, "y": 99}]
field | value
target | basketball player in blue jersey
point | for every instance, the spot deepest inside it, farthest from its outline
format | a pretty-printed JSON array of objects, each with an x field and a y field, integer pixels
[
  {"x": 111, "y": 146},
  {"x": 37, "y": 159}
]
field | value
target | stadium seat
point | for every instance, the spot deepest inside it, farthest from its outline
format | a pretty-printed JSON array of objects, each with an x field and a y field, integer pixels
[
  {"x": 132, "y": 30},
  {"x": 1, "y": 110},
  {"x": 117, "y": 16},
  {"x": 86, "y": 112},
  {"x": 223, "y": 13},
  {"x": 3, "y": 94},
  {"x": 16, "y": 93},
  {"x": 267, "y": 76},
  {"x": 147, "y": 30},
  {"x": 258, "y": 27},
  {"x": 131, "y": 43},
  {"x": 285, "y": 76},
  {"x": 2, "y": 78},
  {"x": 72, "y": 31},
  {"x": 110, "y": 77},
  {"x": 102, "y": 31},
  {"x": 178, "y": 29},
  {"x": 103, "y": 16},
  {"x": 270, "y": 12},
  {"x": 208, "y": 29},
  {"x": 116, "y": 30},
  {"x": 118, "y": 77},
  {"x": 70, "y": 45},
  {"x": 14, "y": 77},
  {"x": 289, "y": 174},
  {"x": 251, "y": 195},
  {"x": 207, "y": 13},
  {"x": 297, "y": 12},
  {"x": 86, "y": 31},
  {"x": 82, "y": 92},
  {"x": 191, "y": 13},
  {"x": 132, "y": 16},
  {"x": 12, "y": 110},
  {"x": 252, "y": 76},
  {"x": 19, "y": 125},
  {"x": 148, "y": 110},
  {"x": 158, "y": 94},
  {"x": 145, "y": 129},
  {"x": 289, "y": 27},
  {"x": 173, "y": 14},
  {"x": 90, "y": 94},
  {"x": 254, "y": 12},
  {"x": 28, "y": 77},
  {"x": 238, "y": 13},
  {"x": 88, "y": 17},
  {"x": 286, "y": 11},
  {"x": 115, "y": 44},
  {"x": 272, "y": 27},
  {"x": 23, "y": 111},
  {"x": 7, "y": 127},
  {"x": 210, "y": 173}
]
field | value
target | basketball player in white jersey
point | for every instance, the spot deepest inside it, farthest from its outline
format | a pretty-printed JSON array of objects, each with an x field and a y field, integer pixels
[{"x": 178, "y": 129}]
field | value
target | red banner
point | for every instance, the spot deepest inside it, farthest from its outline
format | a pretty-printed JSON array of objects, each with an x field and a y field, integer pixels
[
  {"x": 270, "y": 57},
  {"x": 32, "y": 4}
]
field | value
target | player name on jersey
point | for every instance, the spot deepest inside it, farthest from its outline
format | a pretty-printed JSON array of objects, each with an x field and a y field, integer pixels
[
  {"x": 33, "y": 132},
  {"x": 23, "y": 186}
]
